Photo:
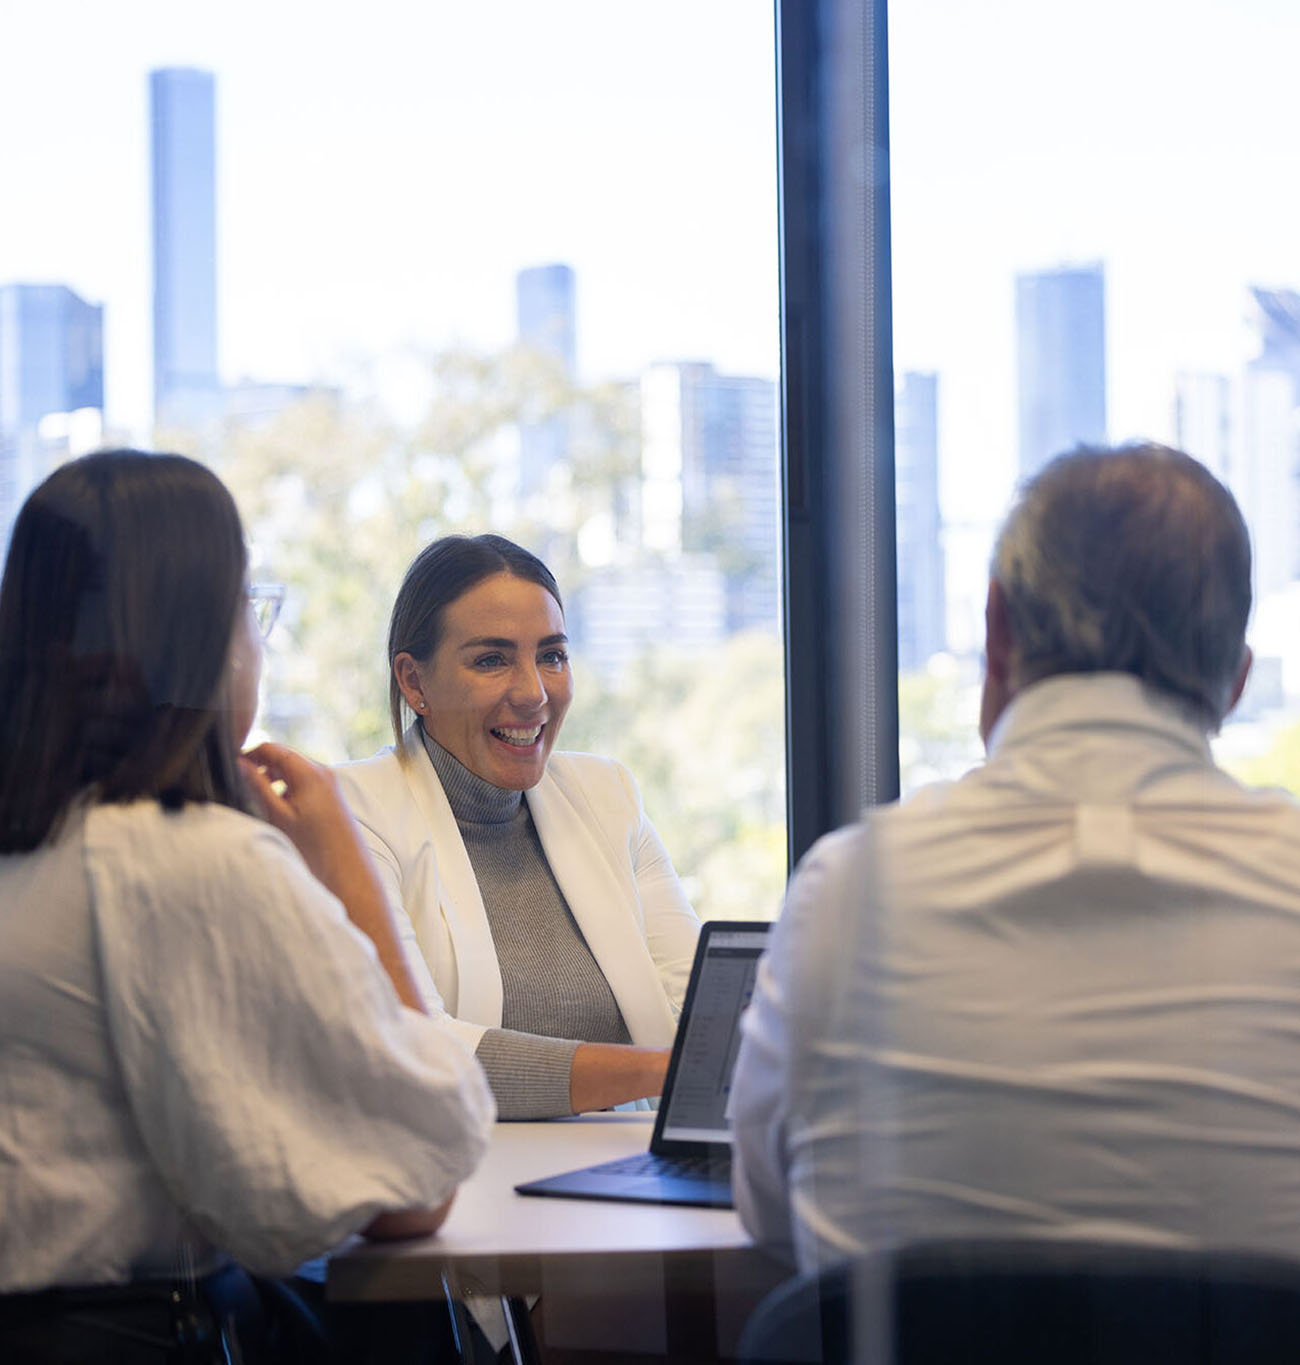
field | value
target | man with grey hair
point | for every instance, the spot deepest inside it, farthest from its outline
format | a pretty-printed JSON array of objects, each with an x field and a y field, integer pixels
[
  {"x": 1129, "y": 561},
  {"x": 1058, "y": 998}
]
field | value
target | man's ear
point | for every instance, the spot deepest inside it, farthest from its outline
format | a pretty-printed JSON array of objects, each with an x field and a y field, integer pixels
[
  {"x": 999, "y": 660},
  {"x": 1239, "y": 685},
  {"x": 997, "y": 635}
]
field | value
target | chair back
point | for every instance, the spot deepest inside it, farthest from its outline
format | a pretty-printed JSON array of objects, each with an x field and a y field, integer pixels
[{"x": 1012, "y": 1303}]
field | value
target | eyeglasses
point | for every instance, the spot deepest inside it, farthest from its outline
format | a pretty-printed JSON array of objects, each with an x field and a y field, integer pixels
[{"x": 266, "y": 599}]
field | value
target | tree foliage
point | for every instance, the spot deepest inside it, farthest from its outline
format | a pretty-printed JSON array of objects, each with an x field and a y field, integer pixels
[
  {"x": 705, "y": 738},
  {"x": 1277, "y": 766},
  {"x": 337, "y": 500}
]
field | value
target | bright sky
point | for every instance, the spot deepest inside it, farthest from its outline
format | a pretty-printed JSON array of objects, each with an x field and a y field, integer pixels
[
  {"x": 385, "y": 169},
  {"x": 1157, "y": 135}
]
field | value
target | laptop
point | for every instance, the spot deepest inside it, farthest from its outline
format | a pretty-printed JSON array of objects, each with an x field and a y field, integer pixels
[{"x": 689, "y": 1161}]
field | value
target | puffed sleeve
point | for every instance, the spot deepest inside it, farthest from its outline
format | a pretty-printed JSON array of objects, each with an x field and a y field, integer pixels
[
  {"x": 390, "y": 878},
  {"x": 283, "y": 1092}
]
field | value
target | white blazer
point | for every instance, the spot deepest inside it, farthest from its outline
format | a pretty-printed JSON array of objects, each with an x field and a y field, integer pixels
[{"x": 609, "y": 863}]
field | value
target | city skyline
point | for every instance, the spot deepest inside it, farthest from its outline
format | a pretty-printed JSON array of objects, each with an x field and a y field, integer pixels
[
  {"x": 1072, "y": 183},
  {"x": 373, "y": 226},
  {"x": 351, "y": 229}
]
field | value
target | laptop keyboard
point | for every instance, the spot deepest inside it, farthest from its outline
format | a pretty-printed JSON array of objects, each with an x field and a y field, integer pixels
[{"x": 701, "y": 1168}]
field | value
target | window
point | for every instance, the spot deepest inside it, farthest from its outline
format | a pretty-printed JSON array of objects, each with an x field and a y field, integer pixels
[
  {"x": 1091, "y": 242},
  {"x": 440, "y": 267}
]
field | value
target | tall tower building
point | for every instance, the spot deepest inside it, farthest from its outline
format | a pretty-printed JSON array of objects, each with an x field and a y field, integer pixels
[
  {"x": 710, "y": 480},
  {"x": 922, "y": 599},
  {"x": 183, "y": 114},
  {"x": 51, "y": 361},
  {"x": 51, "y": 354},
  {"x": 1268, "y": 485},
  {"x": 1203, "y": 421},
  {"x": 546, "y": 321},
  {"x": 545, "y": 313},
  {"x": 1279, "y": 332},
  {"x": 1061, "y": 361}
]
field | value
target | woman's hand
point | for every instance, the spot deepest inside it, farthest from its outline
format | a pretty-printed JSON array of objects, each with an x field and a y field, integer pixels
[
  {"x": 387, "y": 1227},
  {"x": 605, "y": 1074},
  {"x": 301, "y": 799}
]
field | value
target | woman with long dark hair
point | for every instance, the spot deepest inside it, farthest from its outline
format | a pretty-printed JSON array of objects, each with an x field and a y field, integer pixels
[
  {"x": 200, "y": 1057},
  {"x": 539, "y": 906}
]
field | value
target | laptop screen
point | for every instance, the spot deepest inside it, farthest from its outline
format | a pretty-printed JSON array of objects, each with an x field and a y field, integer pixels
[{"x": 697, "y": 1095}]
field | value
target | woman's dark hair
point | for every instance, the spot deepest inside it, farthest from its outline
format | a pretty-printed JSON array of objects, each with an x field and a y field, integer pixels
[
  {"x": 123, "y": 579},
  {"x": 442, "y": 572}
]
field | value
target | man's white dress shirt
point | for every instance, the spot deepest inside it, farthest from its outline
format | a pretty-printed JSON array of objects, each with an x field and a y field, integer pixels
[
  {"x": 200, "y": 1055},
  {"x": 1058, "y": 998}
]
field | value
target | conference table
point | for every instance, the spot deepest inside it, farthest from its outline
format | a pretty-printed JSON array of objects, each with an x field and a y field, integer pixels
[{"x": 616, "y": 1279}]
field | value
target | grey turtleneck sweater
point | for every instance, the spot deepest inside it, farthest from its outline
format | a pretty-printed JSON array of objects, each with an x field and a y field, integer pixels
[{"x": 554, "y": 994}]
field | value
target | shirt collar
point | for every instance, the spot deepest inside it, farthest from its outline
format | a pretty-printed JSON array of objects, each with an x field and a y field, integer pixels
[{"x": 1100, "y": 704}]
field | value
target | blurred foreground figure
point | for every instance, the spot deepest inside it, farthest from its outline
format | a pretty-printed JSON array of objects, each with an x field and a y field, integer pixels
[
  {"x": 1060, "y": 997},
  {"x": 201, "y": 1056}
]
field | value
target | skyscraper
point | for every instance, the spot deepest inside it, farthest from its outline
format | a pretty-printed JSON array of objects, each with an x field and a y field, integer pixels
[
  {"x": 1279, "y": 332},
  {"x": 1268, "y": 484},
  {"x": 545, "y": 312},
  {"x": 51, "y": 361},
  {"x": 710, "y": 480},
  {"x": 621, "y": 612},
  {"x": 922, "y": 599},
  {"x": 546, "y": 321},
  {"x": 51, "y": 354},
  {"x": 1203, "y": 425},
  {"x": 182, "y": 107},
  {"x": 1061, "y": 361}
]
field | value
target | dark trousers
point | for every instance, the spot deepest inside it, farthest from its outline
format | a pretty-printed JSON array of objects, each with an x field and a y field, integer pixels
[
  {"x": 227, "y": 1318},
  {"x": 224, "y": 1318}
]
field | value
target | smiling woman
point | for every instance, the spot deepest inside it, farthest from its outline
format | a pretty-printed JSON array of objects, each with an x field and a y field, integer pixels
[
  {"x": 496, "y": 690},
  {"x": 539, "y": 907}
]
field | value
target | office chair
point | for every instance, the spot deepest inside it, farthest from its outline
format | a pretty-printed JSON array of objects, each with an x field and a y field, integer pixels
[
  {"x": 1017, "y": 1302},
  {"x": 141, "y": 1324}
]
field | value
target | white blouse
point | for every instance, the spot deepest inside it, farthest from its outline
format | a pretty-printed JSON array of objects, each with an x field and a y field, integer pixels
[{"x": 199, "y": 1054}]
